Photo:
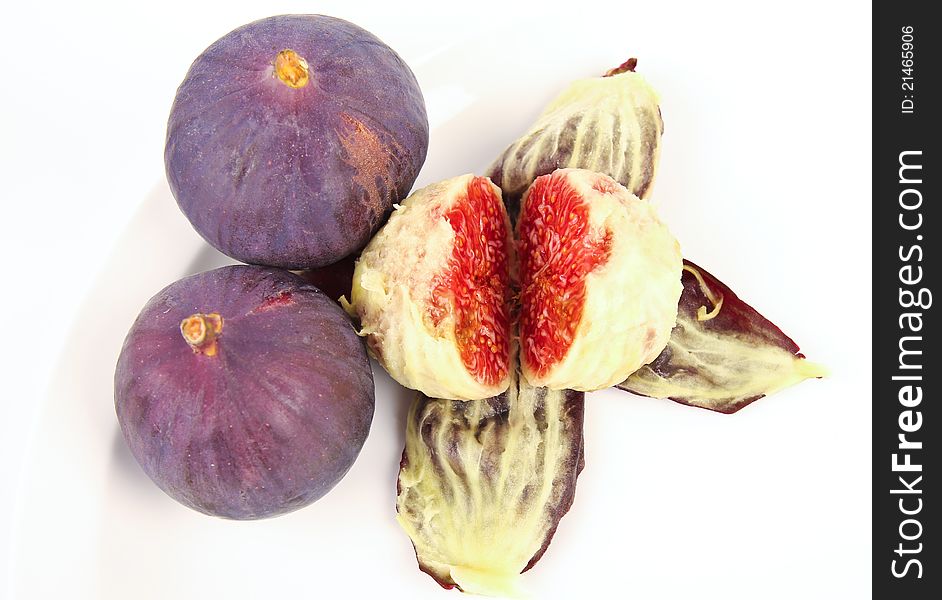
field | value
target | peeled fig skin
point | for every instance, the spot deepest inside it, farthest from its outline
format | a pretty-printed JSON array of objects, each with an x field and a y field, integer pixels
[
  {"x": 483, "y": 484},
  {"x": 610, "y": 124},
  {"x": 291, "y": 137},
  {"x": 722, "y": 355}
]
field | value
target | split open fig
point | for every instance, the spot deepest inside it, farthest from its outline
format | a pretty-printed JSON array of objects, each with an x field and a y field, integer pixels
[
  {"x": 432, "y": 291},
  {"x": 439, "y": 291},
  {"x": 599, "y": 281}
]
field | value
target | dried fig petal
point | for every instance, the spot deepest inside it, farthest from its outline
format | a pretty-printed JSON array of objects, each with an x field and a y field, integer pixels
[
  {"x": 484, "y": 483},
  {"x": 722, "y": 354}
]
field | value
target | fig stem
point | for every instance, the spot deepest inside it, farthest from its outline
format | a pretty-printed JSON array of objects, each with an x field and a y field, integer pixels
[
  {"x": 200, "y": 332},
  {"x": 628, "y": 65},
  {"x": 716, "y": 301},
  {"x": 291, "y": 69}
]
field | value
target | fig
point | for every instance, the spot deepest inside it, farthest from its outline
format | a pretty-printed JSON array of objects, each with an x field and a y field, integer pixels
[
  {"x": 599, "y": 281},
  {"x": 610, "y": 124},
  {"x": 432, "y": 291},
  {"x": 291, "y": 137},
  {"x": 244, "y": 392},
  {"x": 483, "y": 484},
  {"x": 722, "y": 355}
]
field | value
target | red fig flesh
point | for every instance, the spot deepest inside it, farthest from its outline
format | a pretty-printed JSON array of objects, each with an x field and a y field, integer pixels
[
  {"x": 432, "y": 291},
  {"x": 599, "y": 281}
]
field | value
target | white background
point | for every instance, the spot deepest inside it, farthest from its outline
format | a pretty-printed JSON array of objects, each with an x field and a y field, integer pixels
[{"x": 765, "y": 179}]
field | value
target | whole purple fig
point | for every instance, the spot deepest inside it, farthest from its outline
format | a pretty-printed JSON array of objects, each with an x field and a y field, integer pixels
[
  {"x": 291, "y": 137},
  {"x": 244, "y": 392}
]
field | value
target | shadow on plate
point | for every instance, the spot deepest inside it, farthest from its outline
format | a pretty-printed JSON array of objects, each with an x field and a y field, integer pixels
[
  {"x": 401, "y": 399},
  {"x": 125, "y": 466},
  {"x": 206, "y": 259}
]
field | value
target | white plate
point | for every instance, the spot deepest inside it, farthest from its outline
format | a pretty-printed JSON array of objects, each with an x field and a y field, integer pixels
[{"x": 674, "y": 502}]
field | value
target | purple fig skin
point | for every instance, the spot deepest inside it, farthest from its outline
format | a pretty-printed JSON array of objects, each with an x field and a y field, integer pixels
[
  {"x": 267, "y": 421},
  {"x": 335, "y": 280},
  {"x": 295, "y": 177}
]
